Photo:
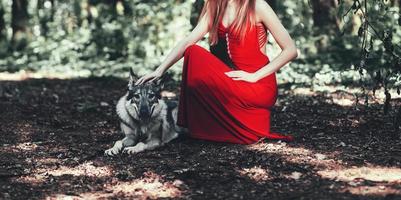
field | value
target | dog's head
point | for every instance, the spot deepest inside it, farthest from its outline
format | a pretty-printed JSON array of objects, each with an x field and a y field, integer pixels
[{"x": 143, "y": 99}]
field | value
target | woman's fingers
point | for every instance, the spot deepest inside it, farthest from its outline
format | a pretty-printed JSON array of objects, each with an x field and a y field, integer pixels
[
  {"x": 151, "y": 80},
  {"x": 141, "y": 80},
  {"x": 137, "y": 81},
  {"x": 230, "y": 74},
  {"x": 145, "y": 79},
  {"x": 236, "y": 73}
]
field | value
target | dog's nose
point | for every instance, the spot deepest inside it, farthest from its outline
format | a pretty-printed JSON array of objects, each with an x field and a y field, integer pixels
[{"x": 144, "y": 112}]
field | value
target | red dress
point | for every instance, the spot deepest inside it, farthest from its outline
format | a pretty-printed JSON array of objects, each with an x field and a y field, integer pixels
[{"x": 215, "y": 107}]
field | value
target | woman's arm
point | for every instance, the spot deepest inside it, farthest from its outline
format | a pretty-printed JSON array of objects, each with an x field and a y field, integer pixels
[
  {"x": 289, "y": 51},
  {"x": 178, "y": 51}
]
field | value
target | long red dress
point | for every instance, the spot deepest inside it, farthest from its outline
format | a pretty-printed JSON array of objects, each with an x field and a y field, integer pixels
[{"x": 215, "y": 107}]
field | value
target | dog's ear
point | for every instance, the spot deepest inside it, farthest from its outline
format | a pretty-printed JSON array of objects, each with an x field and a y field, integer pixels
[
  {"x": 132, "y": 78},
  {"x": 159, "y": 83}
]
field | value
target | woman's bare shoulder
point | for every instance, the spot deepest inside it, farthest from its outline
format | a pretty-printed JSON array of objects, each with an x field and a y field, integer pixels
[
  {"x": 261, "y": 4},
  {"x": 262, "y": 8}
]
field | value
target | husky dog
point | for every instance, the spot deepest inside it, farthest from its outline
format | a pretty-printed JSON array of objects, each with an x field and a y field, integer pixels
[{"x": 147, "y": 120}]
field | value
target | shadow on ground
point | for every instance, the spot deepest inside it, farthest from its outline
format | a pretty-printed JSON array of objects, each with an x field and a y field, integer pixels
[{"x": 54, "y": 132}]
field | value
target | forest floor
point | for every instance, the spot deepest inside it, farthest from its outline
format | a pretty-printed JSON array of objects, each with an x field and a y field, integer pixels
[{"x": 53, "y": 134}]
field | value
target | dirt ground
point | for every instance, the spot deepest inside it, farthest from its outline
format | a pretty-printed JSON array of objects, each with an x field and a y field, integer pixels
[{"x": 54, "y": 133}]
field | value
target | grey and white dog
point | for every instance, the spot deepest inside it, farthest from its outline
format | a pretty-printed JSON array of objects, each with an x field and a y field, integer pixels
[{"x": 146, "y": 119}]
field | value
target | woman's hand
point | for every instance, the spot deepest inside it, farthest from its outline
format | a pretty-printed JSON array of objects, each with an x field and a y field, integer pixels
[
  {"x": 242, "y": 75},
  {"x": 150, "y": 77}
]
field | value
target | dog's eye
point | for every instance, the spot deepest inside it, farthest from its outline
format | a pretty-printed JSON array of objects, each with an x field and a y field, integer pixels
[
  {"x": 151, "y": 95},
  {"x": 137, "y": 96}
]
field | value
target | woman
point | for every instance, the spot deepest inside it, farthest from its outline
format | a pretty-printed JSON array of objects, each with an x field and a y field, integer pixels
[{"x": 218, "y": 103}]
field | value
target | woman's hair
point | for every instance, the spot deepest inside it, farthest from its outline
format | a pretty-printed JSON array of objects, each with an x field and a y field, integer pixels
[{"x": 245, "y": 17}]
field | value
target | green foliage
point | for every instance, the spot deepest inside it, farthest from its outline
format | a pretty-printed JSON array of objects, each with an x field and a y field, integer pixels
[
  {"x": 380, "y": 53},
  {"x": 339, "y": 51},
  {"x": 98, "y": 37}
]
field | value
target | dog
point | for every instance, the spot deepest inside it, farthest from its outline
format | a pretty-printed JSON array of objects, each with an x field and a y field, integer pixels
[{"x": 147, "y": 120}]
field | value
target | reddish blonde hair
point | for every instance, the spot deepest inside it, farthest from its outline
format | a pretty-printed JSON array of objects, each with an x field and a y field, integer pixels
[{"x": 239, "y": 27}]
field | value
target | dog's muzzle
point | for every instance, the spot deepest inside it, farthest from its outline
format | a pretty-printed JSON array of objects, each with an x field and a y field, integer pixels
[{"x": 145, "y": 113}]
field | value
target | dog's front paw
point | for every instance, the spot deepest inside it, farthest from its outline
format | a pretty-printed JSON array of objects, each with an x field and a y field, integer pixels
[
  {"x": 111, "y": 152},
  {"x": 135, "y": 149}
]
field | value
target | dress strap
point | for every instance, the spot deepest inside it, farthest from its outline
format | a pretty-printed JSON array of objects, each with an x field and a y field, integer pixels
[{"x": 262, "y": 35}]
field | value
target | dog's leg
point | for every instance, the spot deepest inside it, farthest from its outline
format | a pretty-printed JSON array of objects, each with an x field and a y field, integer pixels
[
  {"x": 152, "y": 144},
  {"x": 178, "y": 129},
  {"x": 170, "y": 136},
  {"x": 129, "y": 140},
  {"x": 118, "y": 145}
]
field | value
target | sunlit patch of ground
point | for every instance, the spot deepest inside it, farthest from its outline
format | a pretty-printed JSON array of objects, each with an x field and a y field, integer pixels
[
  {"x": 299, "y": 156},
  {"x": 367, "y": 180},
  {"x": 375, "y": 180},
  {"x": 278, "y": 147},
  {"x": 85, "y": 169},
  {"x": 33, "y": 179},
  {"x": 47, "y": 161},
  {"x": 303, "y": 91},
  {"x": 346, "y": 96},
  {"x": 25, "y": 146},
  {"x": 368, "y": 173},
  {"x": 381, "y": 190},
  {"x": 23, "y": 75},
  {"x": 151, "y": 186},
  {"x": 255, "y": 173},
  {"x": 294, "y": 154},
  {"x": 343, "y": 102}
]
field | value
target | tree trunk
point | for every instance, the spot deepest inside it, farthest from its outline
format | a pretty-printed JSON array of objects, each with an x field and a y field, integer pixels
[
  {"x": 19, "y": 23},
  {"x": 77, "y": 12},
  {"x": 45, "y": 15},
  {"x": 2, "y": 23},
  {"x": 127, "y": 8},
  {"x": 53, "y": 10},
  {"x": 322, "y": 13},
  {"x": 196, "y": 11},
  {"x": 399, "y": 10},
  {"x": 41, "y": 17}
]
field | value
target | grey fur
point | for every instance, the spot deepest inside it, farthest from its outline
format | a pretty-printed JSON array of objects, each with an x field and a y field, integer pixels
[{"x": 146, "y": 131}]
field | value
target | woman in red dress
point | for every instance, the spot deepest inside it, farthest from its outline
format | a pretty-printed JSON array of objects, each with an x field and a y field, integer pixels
[{"x": 227, "y": 95}]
